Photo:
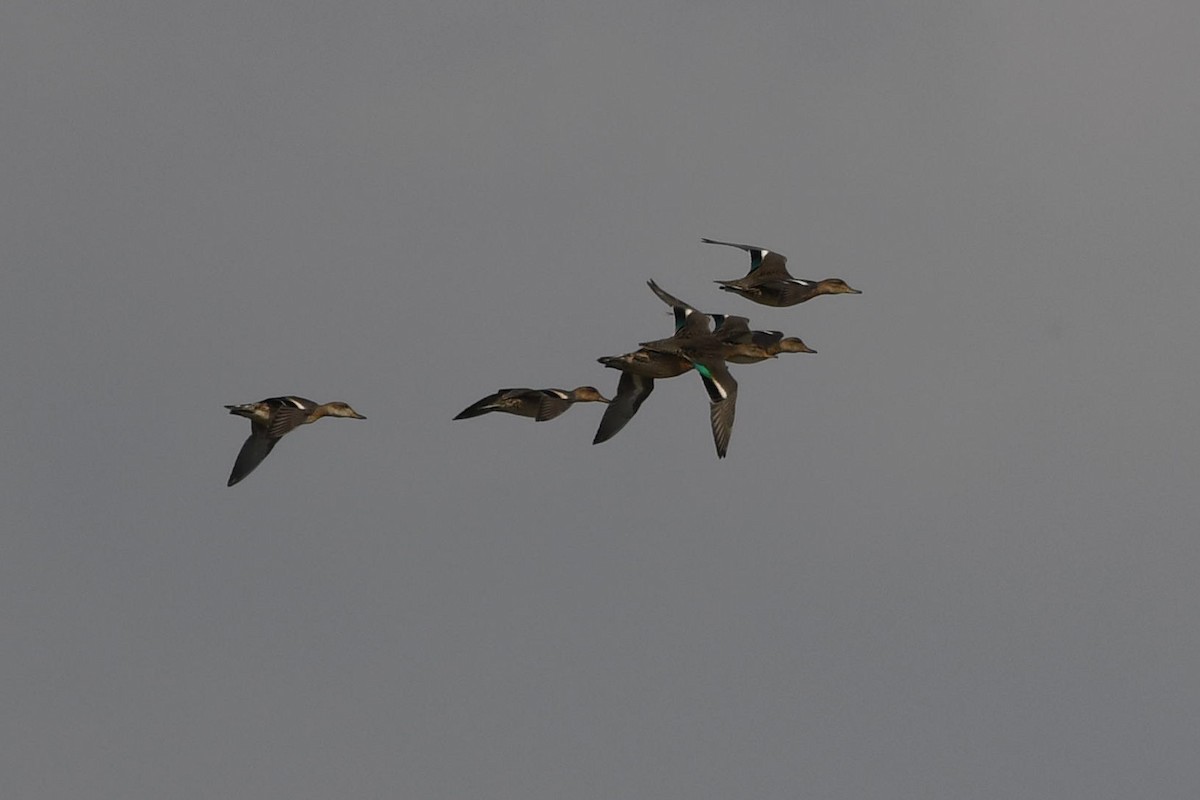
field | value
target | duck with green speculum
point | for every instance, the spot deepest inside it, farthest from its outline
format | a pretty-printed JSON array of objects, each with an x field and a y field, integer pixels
[
  {"x": 641, "y": 368},
  {"x": 708, "y": 353}
]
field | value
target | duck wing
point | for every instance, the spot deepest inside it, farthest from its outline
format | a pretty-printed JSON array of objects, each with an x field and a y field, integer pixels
[
  {"x": 722, "y": 397},
  {"x": 733, "y": 329},
  {"x": 764, "y": 264},
  {"x": 256, "y": 448},
  {"x": 287, "y": 413},
  {"x": 790, "y": 292},
  {"x": 284, "y": 420},
  {"x": 632, "y": 391},
  {"x": 694, "y": 326},
  {"x": 766, "y": 338},
  {"x": 667, "y": 297},
  {"x": 553, "y": 403},
  {"x": 491, "y": 403}
]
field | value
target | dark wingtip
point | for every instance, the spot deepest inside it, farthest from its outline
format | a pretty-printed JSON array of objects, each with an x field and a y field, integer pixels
[{"x": 608, "y": 429}]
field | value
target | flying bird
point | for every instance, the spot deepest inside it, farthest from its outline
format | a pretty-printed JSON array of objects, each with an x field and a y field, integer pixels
[
  {"x": 770, "y": 284},
  {"x": 270, "y": 419},
  {"x": 540, "y": 404},
  {"x": 639, "y": 370},
  {"x": 642, "y": 367},
  {"x": 759, "y": 345},
  {"x": 707, "y": 353}
]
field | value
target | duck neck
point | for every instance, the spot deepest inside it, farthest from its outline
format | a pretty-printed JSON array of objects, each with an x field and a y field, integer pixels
[{"x": 317, "y": 413}]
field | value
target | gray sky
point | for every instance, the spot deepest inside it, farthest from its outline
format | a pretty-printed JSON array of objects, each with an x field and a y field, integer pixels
[{"x": 954, "y": 555}]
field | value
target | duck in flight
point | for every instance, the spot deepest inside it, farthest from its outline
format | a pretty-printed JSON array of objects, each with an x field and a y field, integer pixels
[
  {"x": 770, "y": 284},
  {"x": 270, "y": 419},
  {"x": 696, "y": 342},
  {"x": 641, "y": 368},
  {"x": 540, "y": 404},
  {"x": 757, "y": 345}
]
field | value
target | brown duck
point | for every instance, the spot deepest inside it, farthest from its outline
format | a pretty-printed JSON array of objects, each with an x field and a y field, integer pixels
[
  {"x": 270, "y": 419},
  {"x": 540, "y": 404},
  {"x": 769, "y": 283}
]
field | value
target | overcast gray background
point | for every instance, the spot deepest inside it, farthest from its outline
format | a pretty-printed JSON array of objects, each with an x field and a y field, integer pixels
[{"x": 954, "y": 555}]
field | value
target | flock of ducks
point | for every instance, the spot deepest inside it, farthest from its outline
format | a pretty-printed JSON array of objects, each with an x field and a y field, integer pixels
[{"x": 706, "y": 343}]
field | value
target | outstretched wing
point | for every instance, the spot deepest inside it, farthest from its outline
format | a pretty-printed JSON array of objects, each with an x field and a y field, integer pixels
[
  {"x": 764, "y": 264},
  {"x": 509, "y": 400},
  {"x": 721, "y": 416},
  {"x": 257, "y": 447},
  {"x": 694, "y": 325},
  {"x": 632, "y": 391},
  {"x": 480, "y": 407},
  {"x": 733, "y": 329},
  {"x": 722, "y": 397},
  {"x": 668, "y": 298}
]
